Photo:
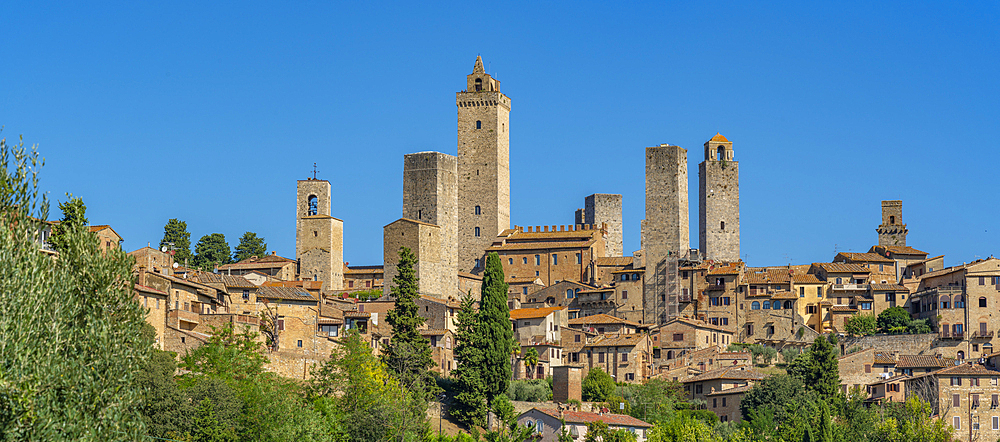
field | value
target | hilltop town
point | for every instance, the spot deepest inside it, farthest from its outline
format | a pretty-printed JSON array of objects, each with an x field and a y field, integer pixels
[{"x": 577, "y": 300}]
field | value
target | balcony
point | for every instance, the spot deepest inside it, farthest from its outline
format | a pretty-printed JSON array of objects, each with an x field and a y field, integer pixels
[
  {"x": 958, "y": 336},
  {"x": 943, "y": 290},
  {"x": 851, "y": 287},
  {"x": 982, "y": 334},
  {"x": 684, "y": 298},
  {"x": 176, "y": 316},
  {"x": 716, "y": 287}
]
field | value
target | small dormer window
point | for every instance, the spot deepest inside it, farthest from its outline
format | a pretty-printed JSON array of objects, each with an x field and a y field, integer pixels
[
  {"x": 479, "y": 124},
  {"x": 479, "y": 85}
]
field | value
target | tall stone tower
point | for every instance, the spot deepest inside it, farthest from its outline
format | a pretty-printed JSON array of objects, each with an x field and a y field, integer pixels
[
  {"x": 665, "y": 232},
  {"x": 483, "y": 165},
  {"x": 892, "y": 231},
  {"x": 429, "y": 227},
  {"x": 719, "y": 201},
  {"x": 319, "y": 237},
  {"x": 604, "y": 208}
]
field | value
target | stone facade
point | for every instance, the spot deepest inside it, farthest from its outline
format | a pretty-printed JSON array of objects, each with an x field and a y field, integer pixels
[
  {"x": 719, "y": 202},
  {"x": 604, "y": 208},
  {"x": 892, "y": 231},
  {"x": 319, "y": 237},
  {"x": 483, "y": 165},
  {"x": 566, "y": 384},
  {"x": 424, "y": 240},
  {"x": 430, "y": 195},
  {"x": 665, "y": 228},
  {"x": 560, "y": 254}
]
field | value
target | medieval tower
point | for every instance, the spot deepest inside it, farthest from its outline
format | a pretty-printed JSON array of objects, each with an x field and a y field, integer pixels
[
  {"x": 719, "y": 202},
  {"x": 319, "y": 237},
  {"x": 665, "y": 233},
  {"x": 892, "y": 231},
  {"x": 483, "y": 165},
  {"x": 604, "y": 208}
]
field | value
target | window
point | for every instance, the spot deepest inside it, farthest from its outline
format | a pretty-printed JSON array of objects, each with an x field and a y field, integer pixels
[
  {"x": 767, "y": 305},
  {"x": 281, "y": 324},
  {"x": 725, "y": 300},
  {"x": 629, "y": 376},
  {"x": 956, "y": 421},
  {"x": 996, "y": 422},
  {"x": 945, "y": 301},
  {"x": 889, "y": 297},
  {"x": 956, "y": 381},
  {"x": 624, "y": 294},
  {"x": 555, "y": 259},
  {"x": 479, "y": 124},
  {"x": 881, "y": 267},
  {"x": 868, "y": 368},
  {"x": 866, "y": 306},
  {"x": 749, "y": 329},
  {"x": 975, "y": 401},
  {"x": 479, "y": 84},
  {"x": 576, "y": 338},
  {"x": 479, "y": 262},
  {"x": 715, "y": 403},
  {"x": 246, "y": 294},
  {"x": 157, "y": 303},
  {"x": 678, "y": 337},
  {"x": 569, "y": 293},
  {"x": 299, "y": 344},
  {"x": 477, "y": 232},
  {"x": 624, "y": 278},
  {"x": 539, "y": 425},
  {"x": 510, "y": 261},
  {"x": 624, "y": 357},
  {"x": 959, "y": 301},
  {"x": 697, "y": 389},
  {"x": 479, "y": 210},
  {"x": 982, "y": 301},
  {"x": 313, "y": 205},
  {"x": 670, "y": 354},
  {"x": 755, "y": 305},
  {"x": 538, "y": 261},
  {"x": 600, "y": 357},
  {"x": 579, "y": 258},
  {"x": 722, "y": 225},
  {"x": 802, "y": 292},
  {"x": 777, "y": 305},
  {"x": 635, "y": 277}
]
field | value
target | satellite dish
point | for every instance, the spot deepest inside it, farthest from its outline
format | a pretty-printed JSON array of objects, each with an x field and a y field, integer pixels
[
  {"x": 176, "y": 265},
  {"x": 163, "y": 249}
]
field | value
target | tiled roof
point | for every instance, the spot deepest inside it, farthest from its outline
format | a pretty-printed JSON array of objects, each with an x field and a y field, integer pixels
[
  {"x": 784, "y": 295},
  {"x": 719, "y": 138},
  {"x": 554, "y": 234},
  {"x": 523, "y": 279},
  {"x": 621, "y": 340},
  {"x": 142, "y": 288},
  {"x": 734, "y": 355},
  {"x": 807, "y": 278},
  {"x": 615, "y": 261},
  {"x": 843, "y": 308},
  {"x": 895, "y": 378},
  {"x": 288, "y": 293},
  {"x": 599, "y": 290},
  {"x": 884, "y": 359},
  {"x": 767, "y": 275},
  {"x": 365, "y": 270},
  {"x": 921, "y": 361},
  {"x": 967, "y": 369},
  {"x": 883, "y": 287},
  {"x": 726, "y": 269},
  {"x": 904, "y": 250},
  {"x": 542, "y": 245},
  {"x": 842, "y": 267},
  {"x": 582, "y": 417},
  {"x": 863, "y": 257},
  {"x": 739, "y": 373},
  {"x": 734, "y": 390},
  {"x": 438, "y": 332},
  {"x": 600, "y": 319},
  {"x": 541, "y": 312},
  {"x": 696, "y": 323},
  {"x": 226, "y": 280}
]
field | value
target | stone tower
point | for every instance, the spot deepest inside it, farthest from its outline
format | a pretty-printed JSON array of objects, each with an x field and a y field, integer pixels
[
  {"x": 604, "y": 208},
  {"x": 892, "y": 231},
  {"x": 665, "y": 228},
  {"x": 719, "y": 202},
  {"x": 319, "y": 237},
  {"x": 429, "y": 227},
  {"x": 483, "y": 165}
]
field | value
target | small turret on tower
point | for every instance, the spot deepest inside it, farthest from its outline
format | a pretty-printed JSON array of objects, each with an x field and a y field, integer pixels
[
  {"x": 892, "y": 231},
  {"x": 479, "y": 80}
]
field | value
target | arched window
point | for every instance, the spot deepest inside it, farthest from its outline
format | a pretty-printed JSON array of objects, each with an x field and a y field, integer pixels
[
  {"x": 788, "y": 304},
  {"x": 839, "y": 281},
  {"x": 479, "y": 84},
  {"x": 576, "y": 292},
  {"x": 959, "y": 301},
  {"x": 961, "y": 355},
  {"x": 670, "y": 354},
  {"x": 767, "y": 305},
  {"x": 982, "y": 301},
  {"x": 569, "y": 293},
  {"x": 635, "y": 277},
  {"x": 479, "y": 211},
  {"x": 447, "y": 342},
  {"x": 479, "y": 124},
  {"x": 624, "y": 277},
  {"x": 722, "y": 153},
  {"x": 755, "y": 305},
  {"x": 945, "y": 301},
  {"x": 313, "y": 204},
  {"x": 722, "y": 225},
  {"x": 477, "y": 232},
  {"x": 777, "y": 305}
]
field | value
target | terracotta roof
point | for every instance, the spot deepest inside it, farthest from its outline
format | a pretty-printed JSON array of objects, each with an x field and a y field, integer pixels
[
  {"x": 619, "y": 340},
  {"x": 884, "y": 359},
  {"x": 921, "y": 361},
  {"x": 807, "y": 278},
  {"x": 428, "y": 332},
  {"x": 615, "y": 261},
  {"x": 784, "y": 295},
  {"x": 600, "y": 319},
  {"x": 904, "y": 250},
  {"x": 734, "y": 390},
  {"x": 553, "y": 234},
  {"x": 842, "y": 267},
  {"x": 542, "y": 245},
  {"x": 307, "y": 285},
  {"x": 734, "y": 355},
  {"x": 287, "y": 293},
  {"x": 523, "y": 279},
  {"x": 883, "y": 287},
  {"x": 354, "y": 314},
  {"x": 142, "y": 288},
  {"x": 895, "y": 378},
  {"x": 719, "y": 138},
  {"x": 922, "y": 261},
  {"x": 329, "y": 321},
  {"x": 967, "y": 369},
  {"x": 541, "y": 312},
  {"x": 726, "y": 269},
  {"x": 696, "y": 323},
  {"x": 739, "y": 373},
  {"x": 767, "y": 275},
  {"x": 226, "y": 280},
  {"x": 863, "y": 257},
  {"x": 843, "y": 308},
  {"x": 582, "y": 417},
  {"x": 364, "y": 270}
]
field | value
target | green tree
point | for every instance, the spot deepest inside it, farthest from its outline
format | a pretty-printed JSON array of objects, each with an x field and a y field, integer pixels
[
  {"x": 817, "y": 368},
  {"x": 210, "y": 251},
  {"x": 165, "y": 406},
  {"x": 72, "y": 333},
  {"x": 773, "y": 393},
  {"x": 530, "y": 361},
  {"x": 918, "y": 326},
  {"x": 599, "y": 431},
  {"x": 250, "y": 245},
  {"x": 469, "y": 405},
  {"x": 176, "y": 236},
  {"x": 74, "y": 214},
  {"x": 893, "y": 320},
  {"x": 824, "y": 431},
  {"x": 495, "y": 329},
  {"x": 597, "y": 386},
  {"x": 860, "y": 325},
  {"x": 408, "y": 354},
  {"x": 228, "y": 353}
]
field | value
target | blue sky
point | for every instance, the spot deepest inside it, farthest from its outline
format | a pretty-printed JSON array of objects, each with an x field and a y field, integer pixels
[{"x": 210, "y": 111}]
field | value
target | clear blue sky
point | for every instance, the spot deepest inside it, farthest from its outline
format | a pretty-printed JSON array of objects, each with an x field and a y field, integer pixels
[{"x": 210, "y": 111}]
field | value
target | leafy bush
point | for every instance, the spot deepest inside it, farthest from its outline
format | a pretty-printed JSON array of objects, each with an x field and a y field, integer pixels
[
  {"x": 529, "y": 390},
  {"x": 860, "y": 325},
  {"x": 893, "y": 320},
  {"x": 789, "y": 354},
  {"x": 598, "y": 385}
]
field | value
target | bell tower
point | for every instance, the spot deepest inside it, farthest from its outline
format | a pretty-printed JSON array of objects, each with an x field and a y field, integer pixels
[
  {"x": 719, "y": 201},
  {"x": 319, "y": 237},
  {"x": 483, "y": 166},
  {"x": 892, "y": 231}
]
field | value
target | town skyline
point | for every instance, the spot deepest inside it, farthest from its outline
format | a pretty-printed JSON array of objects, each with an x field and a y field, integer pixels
[{"x": 814, "y": 169}]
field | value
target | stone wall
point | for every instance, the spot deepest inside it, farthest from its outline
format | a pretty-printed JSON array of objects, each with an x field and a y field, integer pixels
[
  {"x": 923, "y": 344},
  {"x": 665, "y": 231},
  {"x": 424, "y": 240},
  {"x": 606, "y": 208},
  {"x": 892, "y": 231},
  {"x": 566, "y": 384},
  {"x": 483, "y": 167},
  {"x": 319, "y": 237},
  {"x": 719, "y": 204}
]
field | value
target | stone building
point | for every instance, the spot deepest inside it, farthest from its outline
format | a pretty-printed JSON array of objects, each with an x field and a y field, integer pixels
[
  {"x": 681, "y": 336},
  {"x": 538, "y": 325},
  {"x": 107, "y": 238},
  {"x": 719, "y": 201},
  {"x": 424, "y": 241},
  {"x": 363, "y": 277},
  {"x": 664, "y": 233},
  {"x": 483, "y": 165},
  {"x": 155, "y": 303},
  {"x": 892, "y": 231},
  {"x": 153, "y": 260},
  {"x": 319, "y": 237},
  {"x": 548, "y": 424},
  {"x": 626, "y": 357},
  {"x": 965, "y": 396},
  {"x": 604, "y": 208},
  {"x": 564, "y": 253},
  {"x": 708, "y": 385},
  {"x": 272, "y": 265}
]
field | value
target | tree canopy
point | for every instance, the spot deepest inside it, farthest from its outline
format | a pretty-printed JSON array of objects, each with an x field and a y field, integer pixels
[
  {"x": 211, "y": 250},
  {"x": 495, "y": 329},
  {"x": 74, "y": 215},
  {"x": 817, "y": 368},
  {"x": 598, "y": 386},
  {"x": 177, "y": 238},
  {"x": 250, "y": 245},
  {"x": 893, "y": 320},
  {"x": 408, "y": 354},
  {"x": 860, "y": 325}
]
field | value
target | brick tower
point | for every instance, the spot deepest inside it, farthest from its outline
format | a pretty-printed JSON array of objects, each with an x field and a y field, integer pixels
[
  {"x": 319, "y": 237},
  {"x": 892, "y": 231},
  {"x": 719, "y": 202},
  {"x": 483, "y": 165}
]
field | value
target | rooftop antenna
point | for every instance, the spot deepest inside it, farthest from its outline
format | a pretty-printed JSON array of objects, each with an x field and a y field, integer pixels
[{"x": 314, "y": 170}]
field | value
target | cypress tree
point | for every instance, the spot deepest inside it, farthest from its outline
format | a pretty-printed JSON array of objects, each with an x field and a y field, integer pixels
[
  {"x": 408, "y": 354},
  {"x": 495, "y": 330},
  {"x": 469, "y": 406}
]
